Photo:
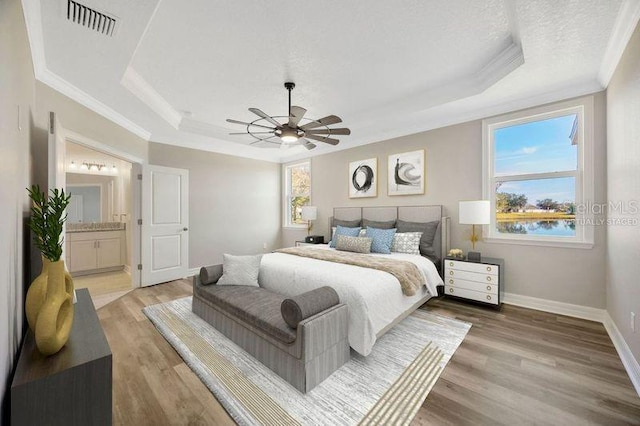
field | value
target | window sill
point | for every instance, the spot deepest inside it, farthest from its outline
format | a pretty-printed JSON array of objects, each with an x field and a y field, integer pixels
[{"x": 541, "y": 243}]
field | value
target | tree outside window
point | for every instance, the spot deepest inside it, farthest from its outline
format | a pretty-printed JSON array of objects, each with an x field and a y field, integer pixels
[{"x": 297, "y": 192}]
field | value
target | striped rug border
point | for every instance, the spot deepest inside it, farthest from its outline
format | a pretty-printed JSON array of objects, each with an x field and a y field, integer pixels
[{"x": 261, "y": 406}]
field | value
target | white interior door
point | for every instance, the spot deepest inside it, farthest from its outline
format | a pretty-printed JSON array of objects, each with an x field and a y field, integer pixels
[
  {"x": 56, "y": 160},
  {"x": 165, "y": 224}
]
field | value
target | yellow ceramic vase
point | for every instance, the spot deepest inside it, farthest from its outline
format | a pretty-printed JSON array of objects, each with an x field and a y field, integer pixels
[
  {"x": 55, "y": 316},
  {"x": 38, "y": 291}
]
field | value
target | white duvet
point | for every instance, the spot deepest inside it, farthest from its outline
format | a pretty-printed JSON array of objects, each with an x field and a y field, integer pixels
[{"x": 374, "y": 298}]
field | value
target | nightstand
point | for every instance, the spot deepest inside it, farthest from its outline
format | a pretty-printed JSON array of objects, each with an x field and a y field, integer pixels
[{"x": 478, "y": 281}]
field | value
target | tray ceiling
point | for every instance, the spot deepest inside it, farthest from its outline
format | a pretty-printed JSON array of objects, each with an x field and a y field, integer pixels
[{"x": 173, "y": 71}]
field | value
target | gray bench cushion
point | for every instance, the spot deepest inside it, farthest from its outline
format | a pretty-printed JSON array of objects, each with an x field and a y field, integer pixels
[{"x": 254, "y": 305}]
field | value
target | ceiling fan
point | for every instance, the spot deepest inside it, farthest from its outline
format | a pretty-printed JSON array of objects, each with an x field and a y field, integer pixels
[{"x": 267, "y": 129}]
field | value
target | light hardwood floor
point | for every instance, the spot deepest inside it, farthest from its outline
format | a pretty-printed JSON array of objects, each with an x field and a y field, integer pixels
[
  {"x": 516, "y": 366},
  {"x": 105, "y": 287}
]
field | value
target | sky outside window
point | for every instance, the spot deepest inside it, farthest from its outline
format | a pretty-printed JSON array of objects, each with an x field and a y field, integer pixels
[{"x": 538, "y": 147}]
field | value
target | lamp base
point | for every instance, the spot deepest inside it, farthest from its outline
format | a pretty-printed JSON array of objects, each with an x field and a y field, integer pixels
[{"x": 474, "y": 256}]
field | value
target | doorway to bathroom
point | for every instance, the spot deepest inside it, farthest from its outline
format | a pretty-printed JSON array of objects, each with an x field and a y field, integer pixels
[{"x": 98, "y": 236}]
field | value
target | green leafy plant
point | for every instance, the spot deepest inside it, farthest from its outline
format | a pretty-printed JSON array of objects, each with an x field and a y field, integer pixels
[{"x": 47, "y": 219}]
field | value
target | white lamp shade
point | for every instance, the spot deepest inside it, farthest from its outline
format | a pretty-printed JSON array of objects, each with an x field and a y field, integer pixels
[
  {"x": 475, "y": 212},
  {"x": 309, "y": 212}
]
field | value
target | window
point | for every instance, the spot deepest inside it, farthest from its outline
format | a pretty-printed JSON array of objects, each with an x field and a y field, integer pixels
[
  {"x": 297, "y": 193},
  {"x": 538, "y": 175}
]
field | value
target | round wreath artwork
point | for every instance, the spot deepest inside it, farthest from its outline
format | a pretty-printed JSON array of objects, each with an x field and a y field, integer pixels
[{"x": 367, "y": 173}]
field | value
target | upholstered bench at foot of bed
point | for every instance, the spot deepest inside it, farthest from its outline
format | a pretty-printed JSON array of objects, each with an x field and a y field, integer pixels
[{"x": 321, "y": 341}]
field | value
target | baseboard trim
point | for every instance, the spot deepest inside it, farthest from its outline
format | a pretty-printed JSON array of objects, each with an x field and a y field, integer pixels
[
  {"x": 628, "y": 360},
  {"x": 561, "y": 308},
  {"x": 193, "y": 271}
]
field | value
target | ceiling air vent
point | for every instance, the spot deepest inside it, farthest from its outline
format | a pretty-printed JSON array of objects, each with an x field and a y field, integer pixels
[{"x": 91, "y": 18}]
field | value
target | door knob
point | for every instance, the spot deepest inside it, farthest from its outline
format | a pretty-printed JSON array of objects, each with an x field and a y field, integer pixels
[{"x": 185, "y": 229}]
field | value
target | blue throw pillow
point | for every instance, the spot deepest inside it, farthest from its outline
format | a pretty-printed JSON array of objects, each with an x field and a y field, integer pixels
[
  {"x": 381, "y": 239},
  {"x": 343, "y": 230}
]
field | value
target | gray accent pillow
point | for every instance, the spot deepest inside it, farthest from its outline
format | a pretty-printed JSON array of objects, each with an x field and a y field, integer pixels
[
  {"x": 353, "y": 244},
  {"x": 210, "y": 274},
  {"x": 429, "y": 230},
  {"x": 308, "y": 304},
  {"x": 389, "y": 224},
  {"x": 240, "y": 270},
  {"x": 346, "y": 223}
]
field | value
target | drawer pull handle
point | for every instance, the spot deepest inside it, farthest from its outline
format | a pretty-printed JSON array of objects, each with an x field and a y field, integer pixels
[
  {"x": 450, "y": 272},
  {"x": 450, "y": 281},
  {"x": 489, "y": 287},
  {"x": 488, "y": 278},
  {"x": 488, "y": 297},
  {"x": 489, "y": 268},
  {"x": 450, "y": 290},
  {"x": 450, "y": 263}
]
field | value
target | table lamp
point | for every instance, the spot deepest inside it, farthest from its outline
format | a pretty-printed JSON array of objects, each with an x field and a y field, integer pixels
[
  {"x": 309, "y": 213},
  {"x": 474, "y": 213}
]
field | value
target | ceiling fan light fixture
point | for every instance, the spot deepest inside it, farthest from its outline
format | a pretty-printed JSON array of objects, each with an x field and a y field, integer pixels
[
  {"x": 291, "y": 132},
  {"x": 288, "y": 134}
]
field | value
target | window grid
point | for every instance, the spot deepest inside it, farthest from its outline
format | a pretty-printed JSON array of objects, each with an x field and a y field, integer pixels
[{"x": 581, "y": 136}]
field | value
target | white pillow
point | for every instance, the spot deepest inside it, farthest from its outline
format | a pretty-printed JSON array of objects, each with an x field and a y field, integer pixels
[
  {"x": 240, "y": 270},
  {"x": 406, "y": 242}
]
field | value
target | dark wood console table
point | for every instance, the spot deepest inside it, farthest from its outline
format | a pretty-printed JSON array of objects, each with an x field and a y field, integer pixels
[{"x": 72, "y": 387}]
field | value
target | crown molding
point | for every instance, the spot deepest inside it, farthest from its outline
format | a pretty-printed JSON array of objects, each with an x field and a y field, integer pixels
[
  {"x": 623, "y": 28},
  {"x": 500, "y": 66},
  {"x": 137, "y": 85},
  {"x": 33, "y": 20}
]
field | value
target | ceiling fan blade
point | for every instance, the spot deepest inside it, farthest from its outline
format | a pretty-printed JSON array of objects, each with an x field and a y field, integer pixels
[
  {"x": 342, "y": 131},
  {"x": 252, "y": 133},
  {"x": 307, "y": 144},
  {"x": 248, "y": 124},
  {"x": 259, "y": 113},
  {"x": 324, "y": 139},
  {"x": 326, "y": 121},
  {"x": 296, "y": 115}
]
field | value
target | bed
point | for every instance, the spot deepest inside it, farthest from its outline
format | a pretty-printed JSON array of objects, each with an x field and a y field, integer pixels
[{"x": 375, "y": 300}]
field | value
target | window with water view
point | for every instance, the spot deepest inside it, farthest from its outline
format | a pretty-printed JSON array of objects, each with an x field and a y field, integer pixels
[
  {"x": 535, "y": 171},
  {"x": 546, "y": 150}
]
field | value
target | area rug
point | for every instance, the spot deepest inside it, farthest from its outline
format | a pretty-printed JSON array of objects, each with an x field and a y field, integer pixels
[{"x": 386, "y": 387}]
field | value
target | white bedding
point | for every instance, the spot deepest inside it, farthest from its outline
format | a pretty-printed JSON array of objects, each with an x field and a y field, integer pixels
[{"x": 374, "y": 297}]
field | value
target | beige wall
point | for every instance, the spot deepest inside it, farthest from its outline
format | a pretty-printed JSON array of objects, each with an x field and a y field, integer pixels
[
  {"x": 234, "y": 203},
  {"x": 454, "y": 173},
  {"x": 16, "y": 91},
  {"x": 82, "y": 120},
  {"x": 623, "y": 185}
]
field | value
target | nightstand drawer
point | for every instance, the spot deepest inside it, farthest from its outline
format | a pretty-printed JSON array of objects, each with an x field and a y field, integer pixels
[
  {"x": 471, "y": 276},
  {"x": 470, "y": 294},
  {"x": 480, "y": 268},
  {"x": 472, "y": 285}
]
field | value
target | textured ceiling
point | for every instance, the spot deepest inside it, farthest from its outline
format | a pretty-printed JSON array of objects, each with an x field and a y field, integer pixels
[{"x": 178, "y": 69}]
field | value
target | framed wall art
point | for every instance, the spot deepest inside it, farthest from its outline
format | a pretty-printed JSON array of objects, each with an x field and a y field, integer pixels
[
  {"x": 363, "y": 178},
  {"x": 406, "y": 173}
]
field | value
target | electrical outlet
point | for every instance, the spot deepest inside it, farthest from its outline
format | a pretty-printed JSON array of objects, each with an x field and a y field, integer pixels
[{"x": 633, "y": 322}]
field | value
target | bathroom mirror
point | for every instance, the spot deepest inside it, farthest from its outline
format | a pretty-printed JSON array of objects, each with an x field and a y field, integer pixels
[{"x": 85, "y": 205}]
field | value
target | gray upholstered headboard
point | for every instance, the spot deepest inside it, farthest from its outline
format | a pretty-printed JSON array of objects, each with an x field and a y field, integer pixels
[{"x": 406, "y": 213}]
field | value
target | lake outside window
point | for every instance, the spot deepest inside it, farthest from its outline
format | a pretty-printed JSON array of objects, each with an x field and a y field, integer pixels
[{"x": 538, "y": 173}]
